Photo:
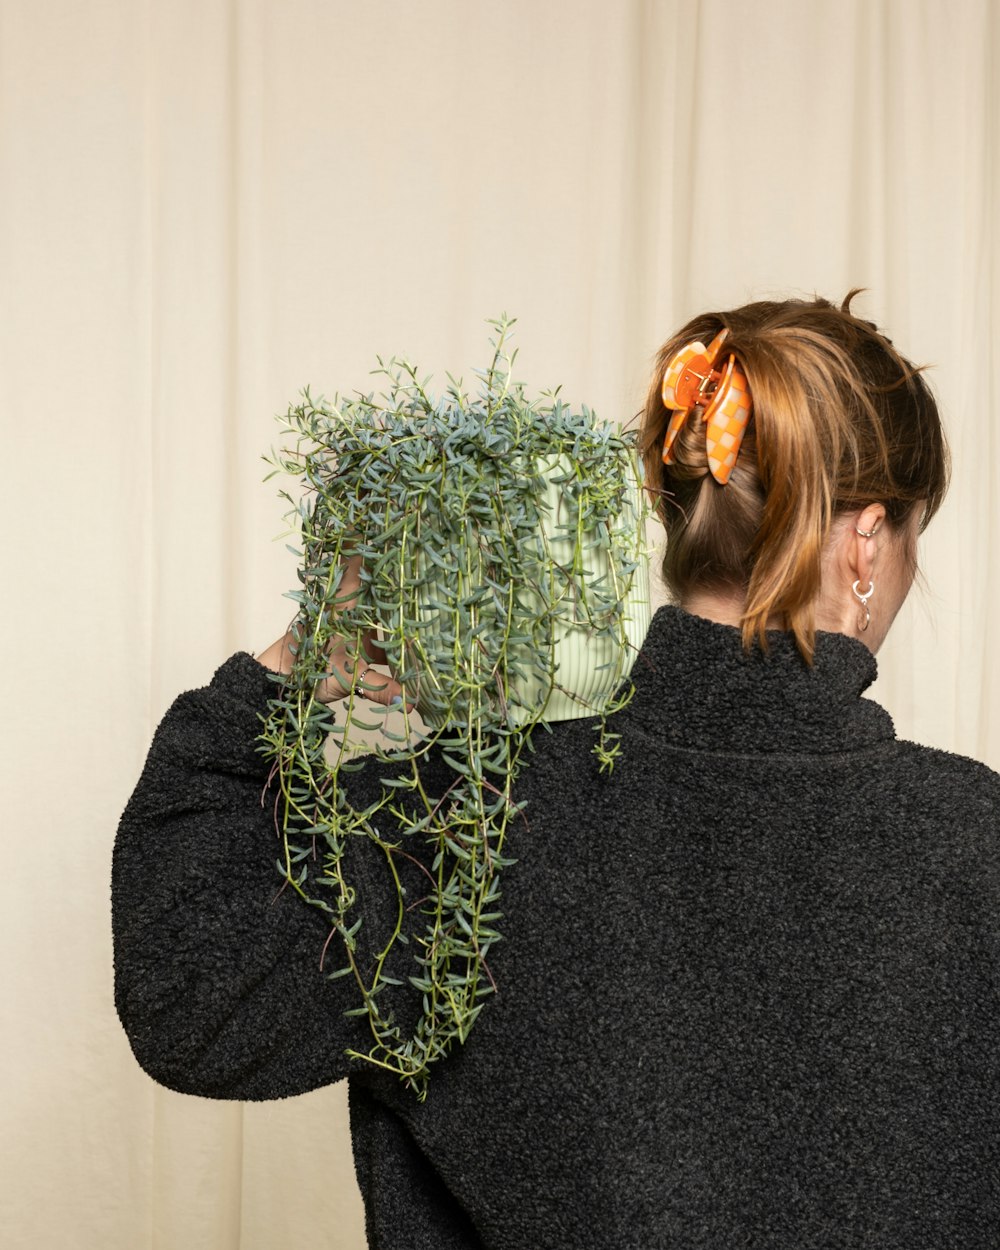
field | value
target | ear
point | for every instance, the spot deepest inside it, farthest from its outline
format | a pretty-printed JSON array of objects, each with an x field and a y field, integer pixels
[{"x": 863, "y": 542}]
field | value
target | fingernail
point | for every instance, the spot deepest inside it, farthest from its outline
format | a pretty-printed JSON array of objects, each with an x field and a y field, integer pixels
[{"x": 396, "y": 701}]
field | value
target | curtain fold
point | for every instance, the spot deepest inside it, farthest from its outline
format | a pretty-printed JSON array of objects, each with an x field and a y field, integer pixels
[{"x": 207, "y": 206}]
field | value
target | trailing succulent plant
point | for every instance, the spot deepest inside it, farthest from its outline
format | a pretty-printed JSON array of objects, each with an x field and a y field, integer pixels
[{"x": 490, "y": 530}]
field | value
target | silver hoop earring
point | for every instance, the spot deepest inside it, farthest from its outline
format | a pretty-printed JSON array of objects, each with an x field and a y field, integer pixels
[
  {"x": 866, "y": 533},
  {"x": 865, "y": 620}
]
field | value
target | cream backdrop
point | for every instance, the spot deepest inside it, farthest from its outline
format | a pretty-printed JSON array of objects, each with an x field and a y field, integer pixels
[{"x": 205, "y": 205}]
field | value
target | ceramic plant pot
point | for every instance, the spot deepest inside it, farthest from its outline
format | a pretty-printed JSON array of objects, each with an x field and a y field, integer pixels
[{"x": 583, "y": 649}]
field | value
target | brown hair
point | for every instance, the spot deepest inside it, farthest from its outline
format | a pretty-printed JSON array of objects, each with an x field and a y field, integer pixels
[{"x": 840, "y": 420}]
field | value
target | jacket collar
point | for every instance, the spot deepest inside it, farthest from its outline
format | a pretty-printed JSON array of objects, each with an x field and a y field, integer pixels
[{"x": 696, "y": 687}]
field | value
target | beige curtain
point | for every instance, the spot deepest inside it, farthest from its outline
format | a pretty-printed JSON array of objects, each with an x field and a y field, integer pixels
[{"x": 206, "y": 205}]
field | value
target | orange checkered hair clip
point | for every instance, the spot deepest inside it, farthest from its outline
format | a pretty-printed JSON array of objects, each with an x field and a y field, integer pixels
[{"x": 691, "y": 381}]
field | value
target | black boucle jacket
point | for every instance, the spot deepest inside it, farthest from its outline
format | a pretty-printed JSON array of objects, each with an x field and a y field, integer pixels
[{"x": 749, "y": 988}]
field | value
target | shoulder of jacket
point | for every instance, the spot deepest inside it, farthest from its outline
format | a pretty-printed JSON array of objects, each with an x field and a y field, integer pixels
[{"x": 964, "y": 778}]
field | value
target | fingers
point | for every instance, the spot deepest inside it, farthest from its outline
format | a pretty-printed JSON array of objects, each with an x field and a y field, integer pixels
[
  {"x": 351, "y": 668},
  {"x": 347, "y": 595},
  {"x": 372, "y": 648},
  {"x": 350, "y": 583},
  {"x": 380, "y": 688}
]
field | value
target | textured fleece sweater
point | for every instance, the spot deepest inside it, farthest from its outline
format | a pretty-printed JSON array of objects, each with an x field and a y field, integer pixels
[{"x": 749, "y": 988}]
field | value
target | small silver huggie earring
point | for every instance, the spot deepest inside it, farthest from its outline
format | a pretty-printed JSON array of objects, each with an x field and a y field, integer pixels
[
  {"x": 864, "y": 621},
  {"x": 866, "y": 533}
]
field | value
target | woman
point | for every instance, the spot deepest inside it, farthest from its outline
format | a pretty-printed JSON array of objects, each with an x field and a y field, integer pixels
[{"x": 749, "y": 992}]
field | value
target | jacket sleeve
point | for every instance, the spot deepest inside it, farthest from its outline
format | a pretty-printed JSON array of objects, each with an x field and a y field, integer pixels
[{"x": 217, "y": 971}]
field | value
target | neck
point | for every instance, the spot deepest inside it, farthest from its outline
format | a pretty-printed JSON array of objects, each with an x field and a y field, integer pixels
[
  {"x": 720, "y": 606},
  {"x": 726, "y": 608}
]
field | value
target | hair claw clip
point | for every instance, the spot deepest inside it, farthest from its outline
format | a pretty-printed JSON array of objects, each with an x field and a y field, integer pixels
[{"x": 691, "y": 381}]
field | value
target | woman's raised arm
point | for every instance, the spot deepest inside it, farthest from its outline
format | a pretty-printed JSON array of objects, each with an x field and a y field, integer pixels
[{"x": 217, "y": 971}]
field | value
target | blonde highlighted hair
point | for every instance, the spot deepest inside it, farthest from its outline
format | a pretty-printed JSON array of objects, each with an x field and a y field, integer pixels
[{"x": 840, "y": 420}]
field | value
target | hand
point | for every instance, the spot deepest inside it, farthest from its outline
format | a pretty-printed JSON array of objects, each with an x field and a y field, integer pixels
[{"x": 350, "y": 672}]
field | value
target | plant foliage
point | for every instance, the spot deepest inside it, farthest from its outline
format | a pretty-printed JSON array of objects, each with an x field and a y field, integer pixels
[{"x": 444, "y": 500}]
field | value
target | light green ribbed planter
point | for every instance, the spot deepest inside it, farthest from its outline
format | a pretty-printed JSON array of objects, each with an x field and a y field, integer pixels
[{"x": 591, "y": 648}]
